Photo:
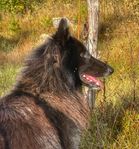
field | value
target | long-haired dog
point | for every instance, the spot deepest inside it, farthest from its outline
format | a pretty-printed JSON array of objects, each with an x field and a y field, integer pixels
[{"x": 46, "y": 109}]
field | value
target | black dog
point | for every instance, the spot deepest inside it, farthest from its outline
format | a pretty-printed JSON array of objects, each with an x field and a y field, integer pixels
[{"x": 46, "y": 109}]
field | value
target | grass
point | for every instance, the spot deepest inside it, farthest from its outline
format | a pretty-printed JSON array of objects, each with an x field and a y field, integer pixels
[
  {"x": 7, "y": 77},
  {"x": 115, "y": 118}
]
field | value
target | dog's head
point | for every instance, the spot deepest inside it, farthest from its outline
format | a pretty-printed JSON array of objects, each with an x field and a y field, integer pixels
[{"x": 76, "y": 60}]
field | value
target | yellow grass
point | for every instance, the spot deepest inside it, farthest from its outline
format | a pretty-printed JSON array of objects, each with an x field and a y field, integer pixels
[{"x": 115, "y": 120}]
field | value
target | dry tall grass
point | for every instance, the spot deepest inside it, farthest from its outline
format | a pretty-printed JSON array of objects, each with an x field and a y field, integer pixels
[{"x": 115, "y": 119}]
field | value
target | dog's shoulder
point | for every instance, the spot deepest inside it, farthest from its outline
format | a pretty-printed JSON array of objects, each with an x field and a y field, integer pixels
[{"x": 23, "y": 121}]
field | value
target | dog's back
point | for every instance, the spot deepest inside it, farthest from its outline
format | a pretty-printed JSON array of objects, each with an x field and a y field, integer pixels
[{"x": 27, "y": 122}]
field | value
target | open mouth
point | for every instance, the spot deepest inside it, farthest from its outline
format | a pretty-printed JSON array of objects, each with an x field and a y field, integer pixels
[{"x": 91, "y": 81}]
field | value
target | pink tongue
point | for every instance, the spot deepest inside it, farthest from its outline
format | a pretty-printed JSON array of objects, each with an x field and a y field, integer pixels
[{"x": 93, "y": 80}]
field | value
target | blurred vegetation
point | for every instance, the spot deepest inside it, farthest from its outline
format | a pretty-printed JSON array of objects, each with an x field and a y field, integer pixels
[
  {"x": 7, "y": 77},
  {"x": 115, "y": 119},
  {"x": 18, "y": 6}
]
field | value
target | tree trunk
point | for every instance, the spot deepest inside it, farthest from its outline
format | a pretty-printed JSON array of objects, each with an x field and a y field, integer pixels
[
  {"x": 92, "y": 27},
  {"x": 92, "y": 41}
]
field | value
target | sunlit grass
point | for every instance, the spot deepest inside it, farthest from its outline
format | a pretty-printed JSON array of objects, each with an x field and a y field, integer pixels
[
  {"x": 115, "y": 119},
  {"x": 7, "y": 77}
]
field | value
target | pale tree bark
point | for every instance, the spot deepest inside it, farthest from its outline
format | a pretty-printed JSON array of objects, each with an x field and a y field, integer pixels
[
  {"x": 92, "y": 41},
  {"x": 93, "y": 6}
]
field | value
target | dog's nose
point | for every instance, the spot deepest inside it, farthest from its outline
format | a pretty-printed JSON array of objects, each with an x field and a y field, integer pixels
[{"x": 110, "y": 70}]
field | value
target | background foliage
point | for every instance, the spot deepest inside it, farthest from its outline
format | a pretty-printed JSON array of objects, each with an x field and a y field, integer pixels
[{"x": 115, "y": 119}]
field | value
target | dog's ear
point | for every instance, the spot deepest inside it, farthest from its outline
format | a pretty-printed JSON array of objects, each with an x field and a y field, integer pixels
[{"x": 62, "y": 33}]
